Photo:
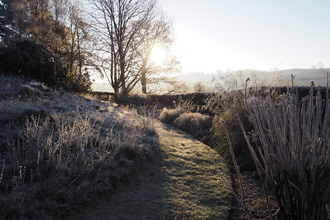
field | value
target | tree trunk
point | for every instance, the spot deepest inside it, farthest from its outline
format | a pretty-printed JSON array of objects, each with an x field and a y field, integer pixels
[
  {"x": 144, "y": 82},
  {"x": 123, "y": 83},
  {"x": 116, "y": 91}
]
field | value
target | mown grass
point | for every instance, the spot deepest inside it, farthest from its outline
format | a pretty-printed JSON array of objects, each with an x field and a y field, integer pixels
[
  {"x": 58, "y": 150},
  {"x": 194, "y": 190}
]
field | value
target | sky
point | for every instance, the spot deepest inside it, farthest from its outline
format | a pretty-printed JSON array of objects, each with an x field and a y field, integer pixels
[{"x": 215, "y": 35}]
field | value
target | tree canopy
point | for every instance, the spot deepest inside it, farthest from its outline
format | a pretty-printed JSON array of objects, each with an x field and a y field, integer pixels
[
  {"x": 56, "y": 30},
  {"x": 119, "y": 40},
  {"x": 128, "y": 31}
]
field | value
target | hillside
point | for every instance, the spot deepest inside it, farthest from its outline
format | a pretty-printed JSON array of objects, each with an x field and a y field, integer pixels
[{"x": 303, "y": 77}]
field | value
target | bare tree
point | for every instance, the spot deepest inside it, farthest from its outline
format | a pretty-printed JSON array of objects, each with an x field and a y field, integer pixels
[
  {"x": 320, "y": 65},
  {"x": 199, "y": 87},
  {"x": 80, "y": 41},
  {"x": 128, "y": 29},
  {"x": 157, "y": 35}
]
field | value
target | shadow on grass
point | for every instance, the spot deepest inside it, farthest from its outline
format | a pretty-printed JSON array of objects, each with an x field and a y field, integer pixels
[
  {"x": 139, "y": 196},
  {"x": 180, "y": 183}
]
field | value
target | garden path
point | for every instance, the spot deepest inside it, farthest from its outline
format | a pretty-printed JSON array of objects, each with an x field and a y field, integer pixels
[{"x": 181, "y": 184}]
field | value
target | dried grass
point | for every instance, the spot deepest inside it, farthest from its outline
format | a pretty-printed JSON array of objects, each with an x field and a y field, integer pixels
[
  {"x": 193, "y": 122},
  {"x": 169, "y": 115},
  {"x": 293, "y": 151},
  {"x": 61, "y": 147}
]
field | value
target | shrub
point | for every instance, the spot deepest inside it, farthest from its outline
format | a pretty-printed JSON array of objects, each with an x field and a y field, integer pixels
[
  {"x": 29, "y": 60},
  {"x": 134, "y": 100},
  {"x": 193, "y": 122},
  {"x": 169, "y": 115}
]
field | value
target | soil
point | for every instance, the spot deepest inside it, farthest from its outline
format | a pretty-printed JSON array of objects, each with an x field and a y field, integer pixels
[{"x": 180, "y": 184}]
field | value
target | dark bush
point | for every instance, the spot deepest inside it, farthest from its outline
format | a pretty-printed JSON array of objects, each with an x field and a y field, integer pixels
[
  {"x": 30, "y": 60},
  {"x": 170, "y": 101},
  {"x": 134, "y": 100}
]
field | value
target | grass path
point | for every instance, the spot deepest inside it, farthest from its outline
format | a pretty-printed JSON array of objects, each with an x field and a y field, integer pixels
[{"x": 180, "y": 184}]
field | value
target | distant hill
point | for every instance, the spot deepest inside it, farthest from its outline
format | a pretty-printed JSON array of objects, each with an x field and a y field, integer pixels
[{"x": 303, "y": 77}]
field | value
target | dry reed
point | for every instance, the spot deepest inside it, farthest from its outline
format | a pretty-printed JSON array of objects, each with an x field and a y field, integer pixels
[{"x": 293, "y": 151}]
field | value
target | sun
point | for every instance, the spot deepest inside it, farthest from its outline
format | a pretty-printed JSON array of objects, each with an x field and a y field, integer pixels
[{"x": 157, "y": 55}]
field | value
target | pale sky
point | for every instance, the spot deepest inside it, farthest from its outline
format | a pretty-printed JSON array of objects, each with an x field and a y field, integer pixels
[{"x": 213, "y": 35}]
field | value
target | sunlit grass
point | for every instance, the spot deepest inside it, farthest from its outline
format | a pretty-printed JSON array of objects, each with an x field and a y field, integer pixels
[{"x": 194, "y": 190}]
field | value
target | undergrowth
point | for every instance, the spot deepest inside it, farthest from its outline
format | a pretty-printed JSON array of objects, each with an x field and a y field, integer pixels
[{"x": 58, "y": 150}]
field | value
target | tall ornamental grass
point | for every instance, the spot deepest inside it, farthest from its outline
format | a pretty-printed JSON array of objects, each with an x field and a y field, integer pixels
[{"x": 293, "y": 151}]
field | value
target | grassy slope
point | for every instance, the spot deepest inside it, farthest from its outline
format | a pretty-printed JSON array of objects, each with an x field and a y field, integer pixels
[
  {"x": 170, "y": 176},
  {"x": 70, "y": 147},
  {"x": 180, "y": 184}
]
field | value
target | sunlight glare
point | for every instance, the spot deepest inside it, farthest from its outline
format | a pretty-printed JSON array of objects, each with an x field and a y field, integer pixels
[{"x": 157, "y": 55}]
